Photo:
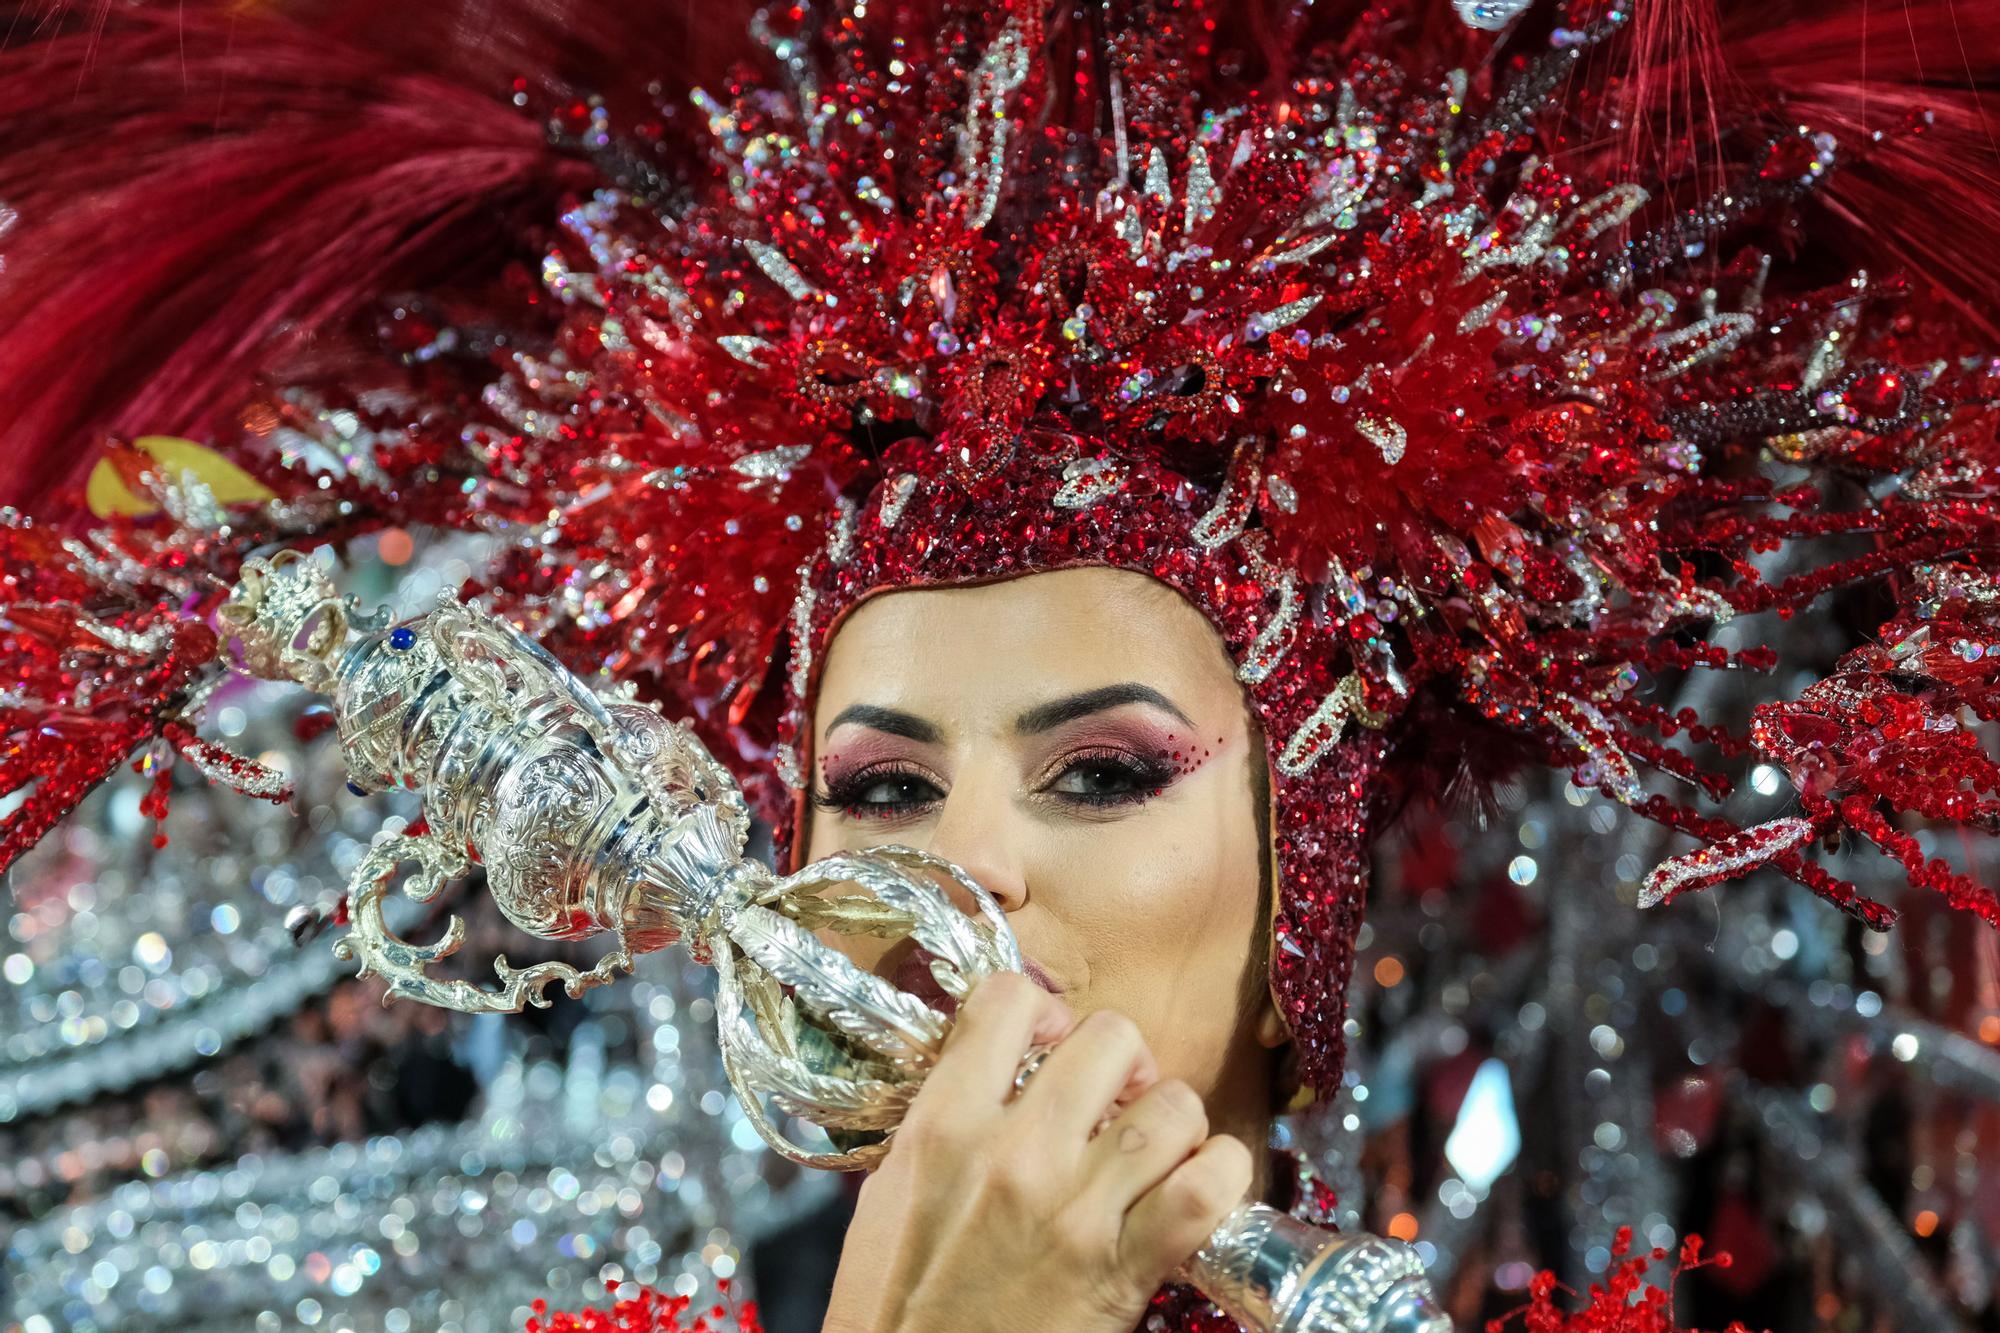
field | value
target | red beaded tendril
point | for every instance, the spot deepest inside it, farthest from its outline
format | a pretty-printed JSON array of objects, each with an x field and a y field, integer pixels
[{"x": 1623, "y": 1303}]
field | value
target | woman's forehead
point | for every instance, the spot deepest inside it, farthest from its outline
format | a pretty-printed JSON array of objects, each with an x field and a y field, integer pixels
[{"x": 1020, "y": 641}]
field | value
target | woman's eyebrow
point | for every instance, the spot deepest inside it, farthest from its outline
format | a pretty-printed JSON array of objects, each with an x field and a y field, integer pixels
[
  {"x": 893, "y": 721},
  {"x": 1046, "y": 717}
]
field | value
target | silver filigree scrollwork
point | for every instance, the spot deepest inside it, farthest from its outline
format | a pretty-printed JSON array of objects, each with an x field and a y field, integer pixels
[
  {"x": 287, "y": 625},
  {"x": 1237, "y": 499},
  {"x": 1322, "y": 730},
  {"x": 982, "y": 139},
  {"x": 1271, "y": 1271},
  {"x": 1088, "y": 480}
]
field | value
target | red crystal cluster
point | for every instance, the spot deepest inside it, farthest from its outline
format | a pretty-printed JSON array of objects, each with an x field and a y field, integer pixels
[
  {"x": 650, "y": 1311},
  {"x": 1623, "y": 1304},
  {"x": 1894, "y": 730},
  {"x": 105, "y": 649},
  {"x": 1462, "y": 419}
]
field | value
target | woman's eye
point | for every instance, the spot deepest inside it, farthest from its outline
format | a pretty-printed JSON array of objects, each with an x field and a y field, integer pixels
[
  {"x": 895, "y": 791},
  {"x": 879, "y": 795},
  {"x": 1108, "y": 781}
]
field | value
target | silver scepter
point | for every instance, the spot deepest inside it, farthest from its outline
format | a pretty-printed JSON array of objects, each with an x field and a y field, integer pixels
[{"x": 597, "y": 815}]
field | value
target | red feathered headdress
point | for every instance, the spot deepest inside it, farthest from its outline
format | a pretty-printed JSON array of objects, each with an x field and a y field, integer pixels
[{"x": 1455, "y": 382}]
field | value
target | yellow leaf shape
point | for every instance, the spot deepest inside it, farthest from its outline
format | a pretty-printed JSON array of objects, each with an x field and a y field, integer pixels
[{"x": 107, "y": 494}]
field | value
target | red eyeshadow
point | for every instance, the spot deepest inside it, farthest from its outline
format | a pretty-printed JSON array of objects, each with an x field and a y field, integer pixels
[{"x": 864, "y": 751}]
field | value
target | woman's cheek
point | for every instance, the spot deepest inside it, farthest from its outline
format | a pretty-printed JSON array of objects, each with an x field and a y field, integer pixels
[
  {"x": 1153, "y": 882},
  {"x": 1202, "y": 842},
  {"x": 1172, "y": 956}
]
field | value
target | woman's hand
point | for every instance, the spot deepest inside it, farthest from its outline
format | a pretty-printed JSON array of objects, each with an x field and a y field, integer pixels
[{"x": 996, "y": 1212}]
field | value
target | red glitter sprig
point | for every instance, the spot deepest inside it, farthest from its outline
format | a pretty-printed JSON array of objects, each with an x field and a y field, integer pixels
[
  {"x": 650, "y": 1311},
  {"x": 1624, "y": 1303}
]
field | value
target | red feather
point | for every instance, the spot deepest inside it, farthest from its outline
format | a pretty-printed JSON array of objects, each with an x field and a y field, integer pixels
[
  {"x": 1911, "y": 90},
  {"x": 198, "y": 189}
]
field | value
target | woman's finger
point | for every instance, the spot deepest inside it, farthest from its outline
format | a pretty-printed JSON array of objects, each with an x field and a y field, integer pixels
[
  {"x": 1003, "y": 1016},
  {"x": 1139, "y": 1147},
  {"x": 1174, "y": 1218},
  {"x": 1102, "y": 1060}
]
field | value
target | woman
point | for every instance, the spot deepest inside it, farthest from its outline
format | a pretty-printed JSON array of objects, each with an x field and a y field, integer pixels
[
  {"x": 1125, "y": 450},
  {"x": 1079, "y": 742}
]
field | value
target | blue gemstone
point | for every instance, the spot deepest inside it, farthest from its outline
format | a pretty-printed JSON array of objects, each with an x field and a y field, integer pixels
[
  {"x": 402, "y": 638},
  {"x": 356, "y": 790}
]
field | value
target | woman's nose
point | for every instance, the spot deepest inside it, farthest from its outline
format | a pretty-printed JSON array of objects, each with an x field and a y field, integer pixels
[{"x": 972, "y": 833}]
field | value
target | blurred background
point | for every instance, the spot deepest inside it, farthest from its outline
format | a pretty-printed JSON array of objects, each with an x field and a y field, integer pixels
[{"x": 207, "y": 1124}]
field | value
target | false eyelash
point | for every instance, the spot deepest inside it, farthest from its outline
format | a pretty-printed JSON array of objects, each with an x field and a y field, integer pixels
[
  {"x": 1147, "y": 778},
  {"x": 844, "y": 797}
]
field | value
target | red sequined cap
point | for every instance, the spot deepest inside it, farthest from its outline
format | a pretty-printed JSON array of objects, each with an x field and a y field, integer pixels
[{"x": 1062, "y": 502}]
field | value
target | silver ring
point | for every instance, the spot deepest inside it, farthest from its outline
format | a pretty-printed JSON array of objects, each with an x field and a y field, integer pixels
[{"x": 1029, "y": 1064}]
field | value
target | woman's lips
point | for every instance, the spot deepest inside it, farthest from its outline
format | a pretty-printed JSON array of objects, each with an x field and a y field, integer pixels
[
  {"x": 913, "y": 976},
  {"x": 1039, "y": 977}
]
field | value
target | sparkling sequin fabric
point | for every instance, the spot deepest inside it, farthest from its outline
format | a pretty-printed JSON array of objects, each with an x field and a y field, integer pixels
[{"x": 1460, "y": 426}]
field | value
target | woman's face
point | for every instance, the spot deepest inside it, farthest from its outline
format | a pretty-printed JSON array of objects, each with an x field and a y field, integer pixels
[{"x": 1078, "y": 742}]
